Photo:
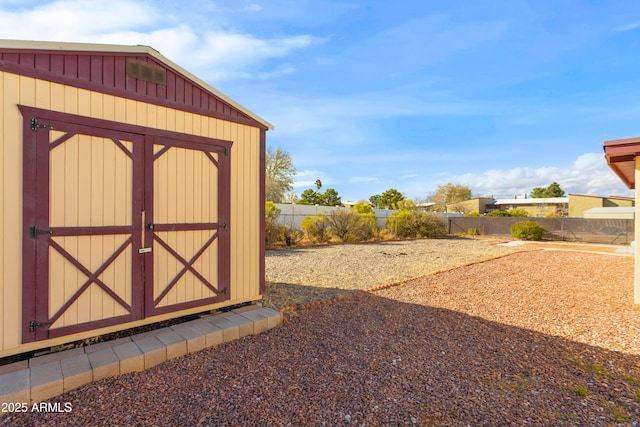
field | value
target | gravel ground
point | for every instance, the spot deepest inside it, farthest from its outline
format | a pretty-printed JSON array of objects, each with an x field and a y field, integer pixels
[
  {"x": 301, "y": 276},
  {"x": 533, "y": 338}
]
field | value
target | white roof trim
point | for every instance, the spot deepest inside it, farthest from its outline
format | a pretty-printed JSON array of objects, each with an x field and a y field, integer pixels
[
  {"x": 532, "y": 201},
  {"x": 91, "y": 47}
]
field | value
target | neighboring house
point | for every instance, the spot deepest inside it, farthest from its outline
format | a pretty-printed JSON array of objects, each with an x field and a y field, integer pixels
[
  {"x": 578, "y": 203},
  {"x": 623, "y": 157},
  {"x": 475, "y": 205},
  {"x": 535, "y": 206},
  {"x": 425, "y": 207},
  {"x": 574, "y": 205}
]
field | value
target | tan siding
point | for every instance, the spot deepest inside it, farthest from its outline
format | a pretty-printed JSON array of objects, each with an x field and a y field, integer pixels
[
  {"x": 11, "y": 212},
  {"x": 70, "y": 97},
  {"x": 97, "y": 107},
  {"x": 108, "y": 107},
  {"x": 58, "y": 97},
  {"x": 93, "y": 161},
  {"x": 43, "y": 94},
  {"x": 27, "y": 91}
]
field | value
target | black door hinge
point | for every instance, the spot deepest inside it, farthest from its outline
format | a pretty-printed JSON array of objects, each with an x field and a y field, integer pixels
[
  {"x": 33, "y": 325},
  {"x": 35, "y": 232},
  {"x": 223, "y": 291},
  {"x": 35, "y": 125}
]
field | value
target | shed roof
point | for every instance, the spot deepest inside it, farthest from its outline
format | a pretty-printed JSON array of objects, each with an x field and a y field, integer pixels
[
  {"x": 620, "y": 155},
  {"x": 112, "y": 69}
]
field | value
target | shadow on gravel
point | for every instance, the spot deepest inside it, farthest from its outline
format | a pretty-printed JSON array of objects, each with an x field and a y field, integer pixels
[
  {"x": 278, "y": 295},
  {"x": 374, "y": 361}
]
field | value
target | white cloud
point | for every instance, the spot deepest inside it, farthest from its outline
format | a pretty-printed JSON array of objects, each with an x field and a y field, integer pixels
[
  {"x": 281, "y": 71},
  {"x": 627, "y": 27},
  {"x": 307, "y": 178},
  {"x": 74, "y": 20},
  {"x": 253, "y": 7},
  {"x": 409, "y": 176},
  {"x": 588, "y": 174},
  {"x": 212, "y": 54}
]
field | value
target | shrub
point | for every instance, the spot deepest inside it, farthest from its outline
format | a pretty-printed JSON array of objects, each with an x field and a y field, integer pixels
[
  {"x": 527, "y": 230},
  {"x": 519, "y": 212},
  {"x": 408, "y": 224},
  {"x": 365, "y": 227},
  {"x": 340, "y": 222},
  {"x": 472, "y": 231},
  {"x": 350, "y": 226},
  {"x": 316, "y": 228},
  {"x": 274, "y": 232},
  {"x": 363, "y": 208},
  {"x": 497, "y": 212}
]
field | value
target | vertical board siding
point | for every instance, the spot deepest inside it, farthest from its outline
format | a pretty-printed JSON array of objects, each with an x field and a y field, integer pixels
[
  {"x": 91, "y": 158},
  {"x": 12, "y": 211}
]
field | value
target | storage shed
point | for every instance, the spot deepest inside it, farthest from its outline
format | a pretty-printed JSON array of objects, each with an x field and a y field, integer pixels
[{"x": 132, "y": 192}]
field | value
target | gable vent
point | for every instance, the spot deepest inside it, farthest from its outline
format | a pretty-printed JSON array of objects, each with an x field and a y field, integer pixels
[{"x": 145, "y": 71}]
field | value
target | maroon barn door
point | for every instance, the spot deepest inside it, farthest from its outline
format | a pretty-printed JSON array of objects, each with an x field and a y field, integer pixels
[
  {"x": 187, "y": 231},
  {"x": 101, "y": 223}
]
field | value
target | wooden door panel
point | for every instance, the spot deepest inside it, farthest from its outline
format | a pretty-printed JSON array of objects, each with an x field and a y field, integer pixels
[
  {"x": 188, "y": 228},
  {"x": 73, "y": 297},
  {"x": 185, "y": 267},
  {"x": 119, "y": 225},
  {"x": 82, "y": 273}
]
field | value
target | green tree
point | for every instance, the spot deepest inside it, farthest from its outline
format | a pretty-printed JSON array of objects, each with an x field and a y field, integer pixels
[
  {"x": 449, "y": 193},
  {"x": 279, "y": 174},
  {"x": 553, "y": 190},
  {"x": 318, "y": 184},
  {"x": 310, "y": 197},
  {"x": 375, "y": 200},
  {"x": 331, "y": 198},
  {"x": 389, "y": 199}
]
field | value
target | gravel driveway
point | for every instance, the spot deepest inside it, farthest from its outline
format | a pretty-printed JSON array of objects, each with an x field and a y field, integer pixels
[{"x": 532, "y": 338}]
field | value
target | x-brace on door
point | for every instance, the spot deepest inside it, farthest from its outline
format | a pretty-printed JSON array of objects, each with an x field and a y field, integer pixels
[{"x": 120, "y": 223}]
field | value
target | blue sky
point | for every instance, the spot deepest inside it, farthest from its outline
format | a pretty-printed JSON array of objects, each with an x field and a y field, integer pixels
[{"x": 502, "y": 96}]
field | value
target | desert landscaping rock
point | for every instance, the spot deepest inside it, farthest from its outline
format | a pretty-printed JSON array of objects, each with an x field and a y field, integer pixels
[
  {"x": 532, "y": 338},
  {"x": 305, "y": 275}
]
